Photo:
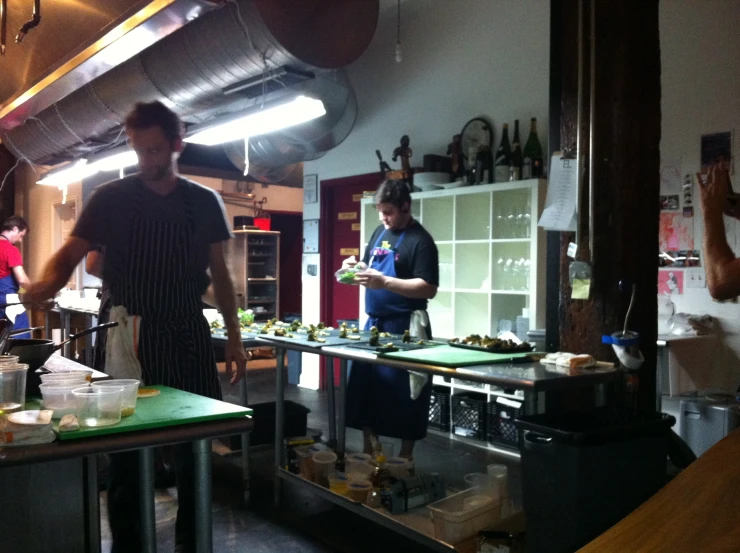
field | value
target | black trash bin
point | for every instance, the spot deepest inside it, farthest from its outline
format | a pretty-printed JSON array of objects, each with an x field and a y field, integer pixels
[{"x": 584, "y": 471}]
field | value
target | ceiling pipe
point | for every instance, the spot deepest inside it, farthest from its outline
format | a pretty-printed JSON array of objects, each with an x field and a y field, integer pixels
[{"x": 190, "y": 69}]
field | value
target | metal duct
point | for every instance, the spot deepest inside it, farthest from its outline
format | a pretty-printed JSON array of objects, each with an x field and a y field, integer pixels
[
  {"x": 310, "y": 140},
  {"x": 189, "y": 69}
]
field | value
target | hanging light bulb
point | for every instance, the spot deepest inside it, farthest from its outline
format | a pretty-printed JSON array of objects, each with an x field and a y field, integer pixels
[{"x": 399, "y": 57}]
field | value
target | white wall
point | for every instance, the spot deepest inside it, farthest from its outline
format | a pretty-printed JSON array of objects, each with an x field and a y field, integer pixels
[
  {"x": 700, "y": 56},
  {"x": 461, "y": 59}
]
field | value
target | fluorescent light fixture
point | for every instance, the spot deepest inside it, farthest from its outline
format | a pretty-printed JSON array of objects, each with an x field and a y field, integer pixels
[
  {"x": 299, "y": 110},
  {"x": 82, "y": 169}
]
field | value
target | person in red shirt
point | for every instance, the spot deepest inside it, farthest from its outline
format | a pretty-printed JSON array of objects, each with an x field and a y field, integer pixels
[{"x": 12, "y": 275}]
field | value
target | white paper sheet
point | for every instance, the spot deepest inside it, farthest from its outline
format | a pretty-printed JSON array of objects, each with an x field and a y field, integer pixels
[{"x": 560, "y": 205}]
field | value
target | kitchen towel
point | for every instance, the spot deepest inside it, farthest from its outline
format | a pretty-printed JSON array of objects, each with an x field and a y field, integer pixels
[
  {"x": 121, "y": 350},
  {"x": 418, "y": 329}
]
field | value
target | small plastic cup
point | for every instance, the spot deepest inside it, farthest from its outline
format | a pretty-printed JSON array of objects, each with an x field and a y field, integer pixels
[
  {"x": 12, "y": 359},
  {"x": 360, "y": 471},
  {"x": 62, "y": 377},
  {"x": 397, "y": 467},
  {"x": 59, "y": 396},
  {"x": 98, "y": 406},
  {"x": 484, "y": 482},
  {"x": 12, "y": 387},
  {"x": 128, "y": 398},
  {"x": 324, "y": 463},
  {"x": 500, "y": 474},
  {"x": 85, "y": 374},
  {"x": 354, "y": 458},
  {"x": 357, "y": 490},
  {"x": 338, "y": 482}
]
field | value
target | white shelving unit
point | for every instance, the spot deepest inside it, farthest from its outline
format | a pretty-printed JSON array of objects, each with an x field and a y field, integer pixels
[{"x": 491, "y": 254}]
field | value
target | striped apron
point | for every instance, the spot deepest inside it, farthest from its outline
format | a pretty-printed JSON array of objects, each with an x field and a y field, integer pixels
[{"x": 162, "y": 284}]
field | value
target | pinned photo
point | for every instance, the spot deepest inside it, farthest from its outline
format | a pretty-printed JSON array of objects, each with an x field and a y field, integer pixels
[{"x": 669, "y": 203}]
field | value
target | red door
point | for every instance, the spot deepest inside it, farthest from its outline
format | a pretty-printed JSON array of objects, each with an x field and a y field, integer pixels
[{"x": 339, "y": 237}]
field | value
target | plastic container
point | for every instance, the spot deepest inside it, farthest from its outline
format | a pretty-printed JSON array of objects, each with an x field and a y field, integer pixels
[
  {"x": 128, "y": 398},
  {"x": 356, "y": 458},
  {"x": 98, "y": 406},
  {"x": 357, "y": 490},
  {"x": 360, "y": 471},
  {"x": 305, "y": 459},
  {"x": 81, "y": 374},
  {"x": 12, "y": 387},
  {"x": 462, "y": 515},
  {"x": 59, "y": 397},
  {"x": 324, "y": 463},
  {"x": 500, "y": 475},
  {"x": 608, "y": 461},
  {"x": 397, "y": 467},
  {"x": 338, "y": 482},
  {"x": 484, "y": 482}
]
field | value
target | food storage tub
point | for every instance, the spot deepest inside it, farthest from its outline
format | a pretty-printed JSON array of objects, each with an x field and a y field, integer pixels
[
  {"x": 338, "y": 483},
  {"x": 360, "y": 471},
  {"x": 12, "y": 387},
  {"x": 59, "y": 397},
  {"x": 397, "y": 467},
  {"x": 357, "y": 490},
  {"x": 462, "y": 515},
  {"x": 128, "y": 398},
  {"x": 73, "y": 374},
  {"x": 324, "y": 463},
  {"x": 305, "y": 459},
  {"x": 98, "y": 406}
]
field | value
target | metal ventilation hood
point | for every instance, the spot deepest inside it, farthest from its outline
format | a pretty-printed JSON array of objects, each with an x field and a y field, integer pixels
[{"x": 229, "y": 56}]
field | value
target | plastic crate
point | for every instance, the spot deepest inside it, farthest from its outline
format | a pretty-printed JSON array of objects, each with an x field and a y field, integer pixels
[
  {"x": 462, "y": 515},
  {"x": 439, "y": 408},
  {"x": 469, "y": 415},
  {"x": 501, "y": 415}
]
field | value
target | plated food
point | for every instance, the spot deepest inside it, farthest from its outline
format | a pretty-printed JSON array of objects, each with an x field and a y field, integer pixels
[{"x": 492, "y": 345}]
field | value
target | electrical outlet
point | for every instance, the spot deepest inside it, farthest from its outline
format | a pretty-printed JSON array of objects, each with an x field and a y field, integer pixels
[
  {"x": 312, "y": 270},
  {"x": 694, "y": 278}
]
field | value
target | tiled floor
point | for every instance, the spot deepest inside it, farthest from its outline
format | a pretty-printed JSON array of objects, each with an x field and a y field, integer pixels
[{"x": 304, "y": 523}]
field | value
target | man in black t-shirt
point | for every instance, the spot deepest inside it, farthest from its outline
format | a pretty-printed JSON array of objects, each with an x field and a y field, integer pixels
[{"x": 402, "y": 275}]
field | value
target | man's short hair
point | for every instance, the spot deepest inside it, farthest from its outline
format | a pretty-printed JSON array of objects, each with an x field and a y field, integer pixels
[
  {"x": 155, "y": 114},
  {"x": 394, "y": 192},
  {"x": 15, "y": 221}
]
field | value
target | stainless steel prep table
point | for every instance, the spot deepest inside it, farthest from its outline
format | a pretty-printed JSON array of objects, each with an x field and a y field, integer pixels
[{"x": 533, "y": 378}]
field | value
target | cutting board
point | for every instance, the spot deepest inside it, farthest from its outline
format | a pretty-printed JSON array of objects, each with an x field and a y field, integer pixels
[
  {"x": 447, "y": 356},
  {"x": 171, "y": 407}
]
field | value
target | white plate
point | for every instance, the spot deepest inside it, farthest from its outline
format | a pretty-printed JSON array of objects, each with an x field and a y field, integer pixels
[
  {"x": 427, "y": 187},
  {"x": 455, "y": 184},
  {"x": 33, "y": 418}
]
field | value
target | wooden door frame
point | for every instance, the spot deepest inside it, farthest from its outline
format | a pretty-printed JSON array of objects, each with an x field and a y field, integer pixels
[{"x": 326, "y": 238}]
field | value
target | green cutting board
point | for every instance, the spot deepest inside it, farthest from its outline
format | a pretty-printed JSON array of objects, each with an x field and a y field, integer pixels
[
  {"x": 171, "y": 407},
  {"x": 448, "y": 356}
]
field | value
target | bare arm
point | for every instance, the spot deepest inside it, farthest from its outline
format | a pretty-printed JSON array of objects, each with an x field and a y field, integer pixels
[
  {"x": 21, "y": 277},
  {"x": 412, "y": 288},
  {"x": 223, "y": 289},
  {"x": 416, "y": 288},
  {"x": 57, "y": 271},
  {"x": 722, "y": 267},
  {"x": 94, "y": 263}
]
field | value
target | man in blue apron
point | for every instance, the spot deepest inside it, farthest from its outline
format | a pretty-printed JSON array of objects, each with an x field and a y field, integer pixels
[
  {"x": 12, "y": 275},
  {"x": 160, "y": 234},
  {"x": 402, "y": 274}
]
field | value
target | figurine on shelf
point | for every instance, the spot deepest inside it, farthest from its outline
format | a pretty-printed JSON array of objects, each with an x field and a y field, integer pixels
[
  {"x": 404, "y": 152},
  {"x": 454, "y": 150},
  {"x": 384, "y": 167}
]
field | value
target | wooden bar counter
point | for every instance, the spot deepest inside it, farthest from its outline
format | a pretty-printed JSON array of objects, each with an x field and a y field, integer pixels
[{"x": 699, "y": 510}]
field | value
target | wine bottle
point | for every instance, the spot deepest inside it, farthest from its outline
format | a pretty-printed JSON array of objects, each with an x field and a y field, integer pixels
[
  {"x": 515, "y": 172},
  {"x": 503, "y": 157},
  {"x": 532, "y": 154}
]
